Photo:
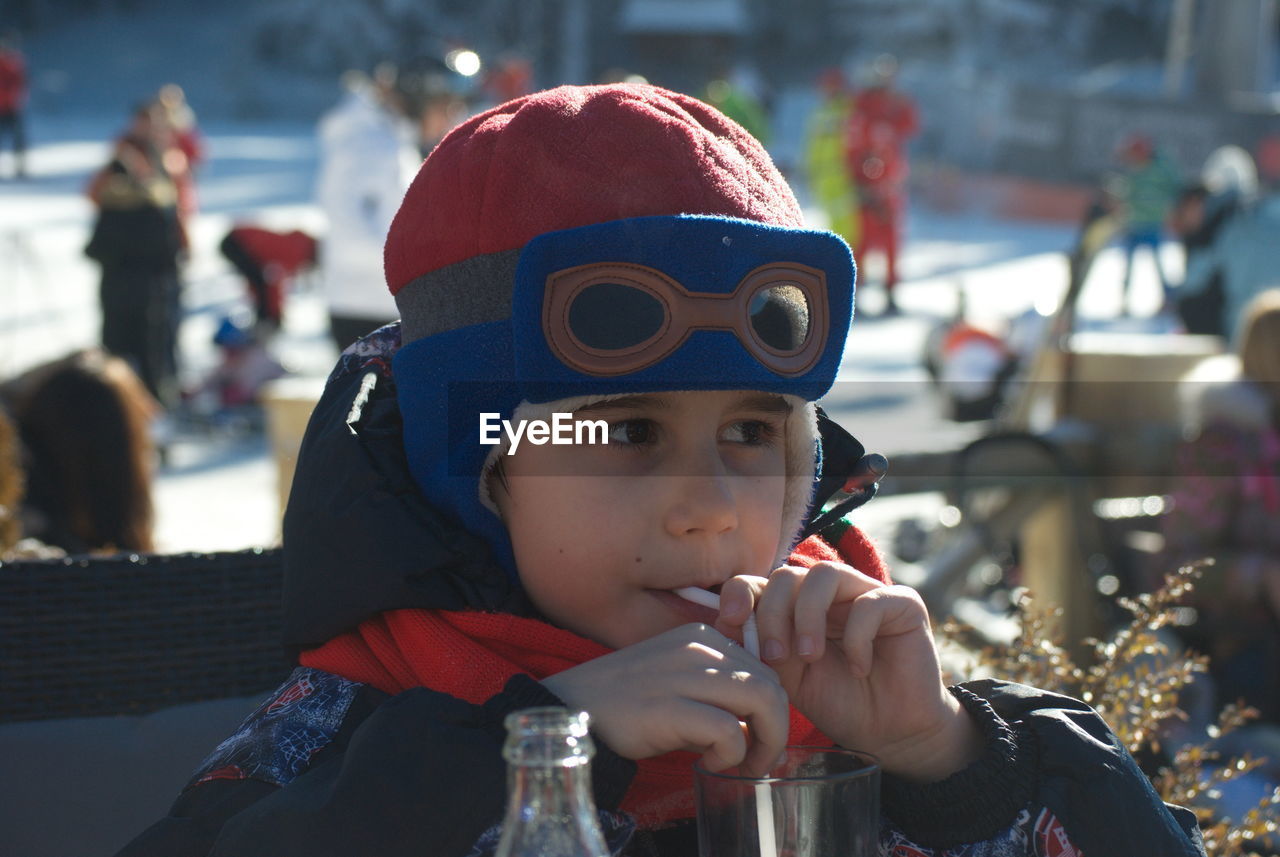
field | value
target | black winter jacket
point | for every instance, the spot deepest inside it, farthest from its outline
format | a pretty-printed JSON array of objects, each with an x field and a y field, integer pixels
[{"x": 327, "y": 766}]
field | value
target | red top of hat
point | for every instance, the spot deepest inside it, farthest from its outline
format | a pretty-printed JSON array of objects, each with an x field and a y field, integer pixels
[{"x": 573, "y": 156}]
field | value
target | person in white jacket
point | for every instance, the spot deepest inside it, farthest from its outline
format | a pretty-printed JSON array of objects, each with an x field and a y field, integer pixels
[{"x": 367, "y": 159}]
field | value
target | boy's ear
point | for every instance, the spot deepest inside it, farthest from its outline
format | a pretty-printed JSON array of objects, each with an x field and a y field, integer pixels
[{"x": 849, "y": 478}]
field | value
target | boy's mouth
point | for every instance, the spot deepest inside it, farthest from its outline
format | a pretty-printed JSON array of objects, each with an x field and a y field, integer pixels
[{"x": 690, "y": 611}]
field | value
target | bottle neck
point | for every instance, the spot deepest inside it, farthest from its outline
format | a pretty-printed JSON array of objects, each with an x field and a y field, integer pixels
[
  {"x": 550, "y": 810},
  {"x": 551, "y": 790},
  {"x": 551, "y": 813}
]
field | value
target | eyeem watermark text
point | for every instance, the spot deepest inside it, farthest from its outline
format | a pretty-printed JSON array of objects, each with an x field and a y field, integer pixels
[{"x": 563, "y": 429}]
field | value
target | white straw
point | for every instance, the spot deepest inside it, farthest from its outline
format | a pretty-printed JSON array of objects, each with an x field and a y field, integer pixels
[
  {"x": 750, "y": 642},
  {"x": 699, "y": 596}
]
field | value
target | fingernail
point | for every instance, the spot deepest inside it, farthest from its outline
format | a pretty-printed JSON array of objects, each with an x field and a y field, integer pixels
[
  {"x": 773, "y": 650},
  {"x": 805, "y": 645},
  {"x": 733, "y": 605}
]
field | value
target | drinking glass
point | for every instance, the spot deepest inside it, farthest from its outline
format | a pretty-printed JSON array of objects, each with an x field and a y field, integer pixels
[{"x": 820, "y": 802}]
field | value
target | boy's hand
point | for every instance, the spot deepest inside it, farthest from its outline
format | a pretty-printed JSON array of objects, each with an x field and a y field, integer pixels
[
  {"x": 857, "y": 658},
  {"x": 690, "y": 688}
]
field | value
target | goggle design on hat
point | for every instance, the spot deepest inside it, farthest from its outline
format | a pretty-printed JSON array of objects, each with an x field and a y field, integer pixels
[
  {"x": 680, "y": 302},
  {"x": 613, "y": 318}
]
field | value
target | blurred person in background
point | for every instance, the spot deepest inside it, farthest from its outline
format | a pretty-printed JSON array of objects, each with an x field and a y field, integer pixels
[
  {"x": 1227, "y": 182},
  {"x": 138, "y": 239},
  {"x": 828, "y": 171},
  {"x": 84, "y": 423},
  {"x": 510, "y": 77},
  {"x": 268, "y": 260},
  {"x": 1240, "y": 251},
  {"x": 13, "y": 99},
  {"x": 180, "y": 122},
  {"x": 1146, "y": 187},
  {"x": 441, "y": 110},
  {"x": 1196, "y": 220},
  {"x": 367, "y": 159},
  {"x": 734, "y": 95},
  {"x": 883, "y": 121},
  {"x": 1226, "y": 501}
]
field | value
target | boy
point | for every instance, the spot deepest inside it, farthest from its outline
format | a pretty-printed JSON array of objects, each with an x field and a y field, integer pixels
[{"x": 626, "y": 256}]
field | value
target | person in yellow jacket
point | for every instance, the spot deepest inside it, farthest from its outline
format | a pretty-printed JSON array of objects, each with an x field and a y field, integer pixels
[{"x": 825, "y": 160}]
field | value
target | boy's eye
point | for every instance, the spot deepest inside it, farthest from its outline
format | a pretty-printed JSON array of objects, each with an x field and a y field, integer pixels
[
  {"x": 750, "y": 432},
  {"x": 632, "y": 432}
]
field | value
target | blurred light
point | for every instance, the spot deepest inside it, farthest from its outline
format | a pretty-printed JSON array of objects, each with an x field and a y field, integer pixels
[
  {"x": 1046, "y": 304},
  {"x": 1108, "y": 584},
  {"x": 949, "y": 516},
  {"x": 1118, "y": 508},
  {"x": 990, "y": 573},
  {"x": 465, "y": 63}
]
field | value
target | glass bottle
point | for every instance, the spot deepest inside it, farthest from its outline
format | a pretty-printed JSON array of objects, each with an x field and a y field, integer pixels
[{"x": 550, "y": 810}]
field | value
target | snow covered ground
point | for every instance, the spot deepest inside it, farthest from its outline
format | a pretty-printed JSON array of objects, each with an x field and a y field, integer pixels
[{"x": 218, "y": 491}]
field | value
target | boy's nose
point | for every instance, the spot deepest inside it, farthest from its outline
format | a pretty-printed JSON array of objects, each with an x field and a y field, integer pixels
[{"x": 702, "y": 505}]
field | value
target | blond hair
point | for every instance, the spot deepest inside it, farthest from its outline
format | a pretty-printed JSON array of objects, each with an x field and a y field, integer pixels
[{"x": 1260, "y": 340}]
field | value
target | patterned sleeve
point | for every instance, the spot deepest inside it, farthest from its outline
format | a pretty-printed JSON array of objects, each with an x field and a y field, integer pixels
[
  {"x": 277, "y": 741},
  {"x": 1035, "y": 833}
]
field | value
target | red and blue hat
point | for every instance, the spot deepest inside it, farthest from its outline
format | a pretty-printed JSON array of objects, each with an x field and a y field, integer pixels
[{"x": 594, "y": 241}]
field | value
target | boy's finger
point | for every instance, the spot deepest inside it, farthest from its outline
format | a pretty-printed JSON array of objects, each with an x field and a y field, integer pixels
[
  {"x": 754, "y": 696},
  {"x": 826, "y": 585},
  {"x": 751, "y": 698},
  {"x": 886, "y": 611},
  {"x": 710, "y": 653},
  {"x": 738, "y": 597},
  {"x": 774, "y": 613},
  {"x": 822, "y": 585},
  {"x": 715, "y": 733},
  {"x": 762, "y": 749}
]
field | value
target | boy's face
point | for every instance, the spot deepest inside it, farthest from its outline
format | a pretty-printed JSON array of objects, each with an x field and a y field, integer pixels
[{"x": 687, "y": 492}]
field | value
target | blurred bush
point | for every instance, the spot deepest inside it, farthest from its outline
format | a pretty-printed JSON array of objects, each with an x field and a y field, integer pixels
[{"x": 1135, "y": 682}]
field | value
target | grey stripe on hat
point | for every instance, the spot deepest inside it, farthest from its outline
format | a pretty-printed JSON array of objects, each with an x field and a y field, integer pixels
[{"x": 472, "y": 291}]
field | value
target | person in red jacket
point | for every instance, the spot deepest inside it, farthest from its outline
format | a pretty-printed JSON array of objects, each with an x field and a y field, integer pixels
[
  {"x": 268, "y": 260},
  {"x": 882, "y": 122},
  {"x": 13, "y": 98}
]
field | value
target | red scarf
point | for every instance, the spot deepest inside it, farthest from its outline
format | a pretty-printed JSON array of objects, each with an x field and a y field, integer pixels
[{"x": 471, "y": 655}]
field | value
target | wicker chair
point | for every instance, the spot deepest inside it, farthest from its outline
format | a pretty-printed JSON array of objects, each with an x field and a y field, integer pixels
[{"x": 131, "y": 634}]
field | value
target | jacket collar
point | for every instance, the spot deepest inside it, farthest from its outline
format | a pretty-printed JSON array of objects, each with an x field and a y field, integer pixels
[{"x": 359, "y": 538}]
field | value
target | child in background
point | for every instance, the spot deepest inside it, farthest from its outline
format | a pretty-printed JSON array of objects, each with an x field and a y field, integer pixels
[
  {"x": 246, "y": 366},
  {"x": 268, "y": 260},
  {"x": 1149, "y": 185},
  {"x": 628, "y": 255}
]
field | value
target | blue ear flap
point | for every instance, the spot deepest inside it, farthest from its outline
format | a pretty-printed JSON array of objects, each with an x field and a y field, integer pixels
[{"x": 849, "y": 478}]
